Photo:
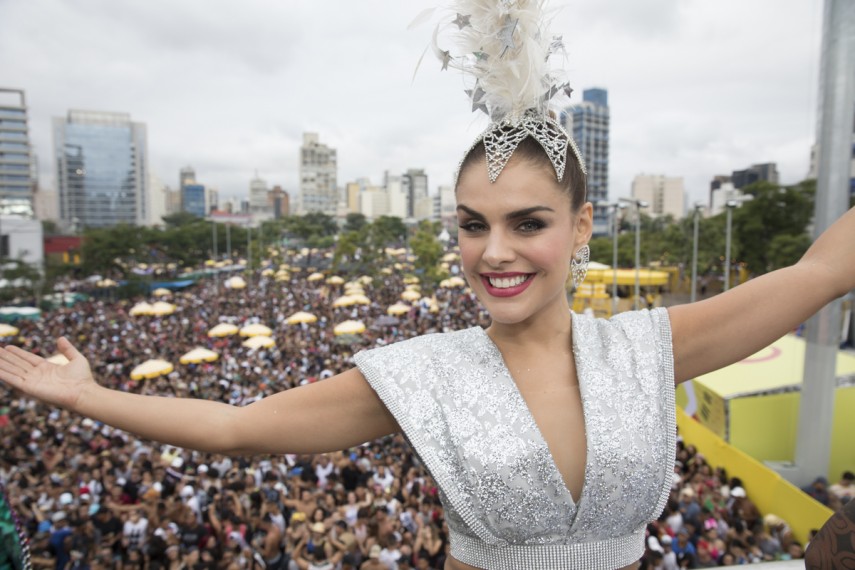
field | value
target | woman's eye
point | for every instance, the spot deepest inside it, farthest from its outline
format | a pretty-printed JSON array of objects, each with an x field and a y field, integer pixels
[
  {"x": 472, "y": 226},
  {"x": 529, "y": 226}
]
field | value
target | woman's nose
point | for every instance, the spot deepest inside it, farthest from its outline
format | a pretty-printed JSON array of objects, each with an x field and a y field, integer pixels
[{"x": 499, "y": 249}]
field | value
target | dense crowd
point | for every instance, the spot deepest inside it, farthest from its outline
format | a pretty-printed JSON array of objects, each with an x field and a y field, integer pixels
[{"x": 89, "y": 496}]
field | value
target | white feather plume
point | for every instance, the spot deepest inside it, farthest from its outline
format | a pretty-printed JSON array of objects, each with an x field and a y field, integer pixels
[{"x": 505, "y": 46}]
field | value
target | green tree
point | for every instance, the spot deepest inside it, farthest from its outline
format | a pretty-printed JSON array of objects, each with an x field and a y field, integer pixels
[
  {"x": 355, "y": 222},
  {"x": 428, "y": 250},
  {"x": 179, "y": 219},
  {"x": 773, "y": 211}
]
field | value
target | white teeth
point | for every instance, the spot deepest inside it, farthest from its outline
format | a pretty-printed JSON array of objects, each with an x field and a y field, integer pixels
[{"x": 505, "y": 282}]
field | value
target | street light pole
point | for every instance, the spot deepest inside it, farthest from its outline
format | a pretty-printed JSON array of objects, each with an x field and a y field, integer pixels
[
  {"x": 731, "y": 204},
  {"x": 694, "y": 293}
]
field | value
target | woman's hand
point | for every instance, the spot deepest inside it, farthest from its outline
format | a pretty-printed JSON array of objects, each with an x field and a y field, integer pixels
[{"x": 32, "y": 375}]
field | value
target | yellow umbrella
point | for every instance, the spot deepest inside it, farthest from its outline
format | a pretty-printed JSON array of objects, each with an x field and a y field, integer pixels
[
  {"x": 449, "y": 257},
  {"x": 360, "y": 299},
  {"x": 411, "y": 295},
  {"x": 411, "y": 280},
  {"x": 8, "y": 330},
  {"x": 151, "y": 369},
  {"x": 315, "y": 277},
  {"x": 282, "y": 275},
  {"x": 58, "y": 359},
  {"x": 223, "y": 329},
  {"x": 210, "y": 263},
  {"x": 162, "y": 308},
  {"x": 366, "y": 280},
  {"x": 413, "y": 287},
  {"x": 344, "y": 301},
  {"x": 398, "y": 309},
  {"x": 106, "y": 283},
  {"x": 301, "y": 317},
  {"x": 267, "y": 272},
  {"x": 259, "y": 342},
  {"x": 140, "y": 309},
  {"x": 452, "y": 282},
  {"x": 236, "y": 283},
  {"x": 335, "y": 280},
  {"x": 255, "y": 329},
  {"x": 162, "y": 292},
  {"x": 198, "y": 355},
  {"x": 354, "y": 291},
  {"x": 349, "y": 327},
  {"x": 386, "y": 271}
]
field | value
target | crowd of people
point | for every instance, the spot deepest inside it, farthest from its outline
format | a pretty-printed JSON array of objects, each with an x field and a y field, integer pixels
[{"x": 89, "y": 496}]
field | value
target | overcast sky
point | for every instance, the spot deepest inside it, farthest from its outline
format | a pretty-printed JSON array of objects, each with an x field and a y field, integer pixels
[{"x": 696, "y": 87}]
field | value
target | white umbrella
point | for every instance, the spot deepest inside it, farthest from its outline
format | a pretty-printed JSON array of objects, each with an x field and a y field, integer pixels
[{"x": 349, "y": 327}]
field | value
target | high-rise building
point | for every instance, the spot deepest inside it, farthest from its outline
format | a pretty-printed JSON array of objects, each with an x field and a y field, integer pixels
[
  {"x": 16, "y": 179},
  {"x": 398, "y": 193},
  {"x": 280, "y": 202},
  {"x": 193, "y": 199},
  {"x": 259, "y": 201},
  {"x": 374, "y": 202},
  {"x": 588, "y": 123},
  {"x": 186, "y": 175},
  {"x": 665, "y": 195},
  {"x": 102, "y": 169},
  {"x": 318, "y": 171},
  {"x": 415, "y": 186},
  {"x": 766, "y": 172},
  {"x": 351, "y": 195}
]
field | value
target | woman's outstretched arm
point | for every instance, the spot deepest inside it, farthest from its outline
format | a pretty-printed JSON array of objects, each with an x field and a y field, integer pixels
[
  {"x": 726, "y": 328},
  {"x": 336, "y": 413}
]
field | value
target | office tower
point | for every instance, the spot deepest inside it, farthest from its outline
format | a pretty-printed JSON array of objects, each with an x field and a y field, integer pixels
[
  {"x": 318, "y": 171},
  {"x": 280, "y": 202},
  {"x": 16, "y": 178},
  {"x": 259, "y": 201},
  {"x": 665, "y": 195},
  {"x": 588, "y": 123},
  {"x": 102, "y": 169},
  {"x": 398, "y": 193},
  {"x": 351, "y": 195},
  {"x": 415, "y": 186},
  {"x": 767, "y": 172},
  {"x": 186, "y": 175},
  {"x": 193, "y": 199}
]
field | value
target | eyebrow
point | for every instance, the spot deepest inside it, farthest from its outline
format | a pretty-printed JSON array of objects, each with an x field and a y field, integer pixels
[{"x": 510, "y": 215}]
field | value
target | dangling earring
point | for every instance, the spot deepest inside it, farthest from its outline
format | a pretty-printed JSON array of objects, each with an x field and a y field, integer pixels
[{"x": 579, "y": 265}]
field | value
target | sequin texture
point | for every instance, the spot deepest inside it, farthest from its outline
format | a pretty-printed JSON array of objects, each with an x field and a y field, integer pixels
[{"x": 506, "y": 502}]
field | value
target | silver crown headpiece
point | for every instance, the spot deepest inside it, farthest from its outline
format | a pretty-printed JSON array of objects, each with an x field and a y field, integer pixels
[{"x": 507, "y": 50}]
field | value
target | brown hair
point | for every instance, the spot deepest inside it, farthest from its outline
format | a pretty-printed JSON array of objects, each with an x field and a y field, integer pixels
[{"x": 573, "y": 183}]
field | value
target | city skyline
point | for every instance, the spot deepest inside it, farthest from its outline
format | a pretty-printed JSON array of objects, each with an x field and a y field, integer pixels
[{"x": 695, "y": 90}]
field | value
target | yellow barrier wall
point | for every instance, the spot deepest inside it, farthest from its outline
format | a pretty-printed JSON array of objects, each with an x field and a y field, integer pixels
[
  {"x": 768, "y": 490},
  {"x": 842, "y": 430},
  {"x": 765, "y": 426}
]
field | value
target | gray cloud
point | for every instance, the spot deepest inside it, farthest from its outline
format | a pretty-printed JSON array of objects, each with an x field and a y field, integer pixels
[{"x": 696, "y": 88}]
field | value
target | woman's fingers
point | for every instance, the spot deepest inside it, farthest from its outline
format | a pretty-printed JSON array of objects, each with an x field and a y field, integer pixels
[
  {"x": 67, "y": 349},
  {"x": 11, "y": 373},
  {"x": 17, "y": 357},
  {"x": 29, "y": 357}
]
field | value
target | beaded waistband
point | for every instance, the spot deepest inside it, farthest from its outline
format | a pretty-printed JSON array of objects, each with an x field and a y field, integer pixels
[{"x": 604, "y": 554}]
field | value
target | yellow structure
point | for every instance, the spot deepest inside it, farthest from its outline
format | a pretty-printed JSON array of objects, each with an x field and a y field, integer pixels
[
  {"x": 595, "y": 292},
  {"x": 754, "y": 404},
  {"x": 766, "y": 488}
]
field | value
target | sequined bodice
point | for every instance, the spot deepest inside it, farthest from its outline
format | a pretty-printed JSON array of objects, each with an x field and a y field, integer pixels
[{"x": 506, "y": 502}]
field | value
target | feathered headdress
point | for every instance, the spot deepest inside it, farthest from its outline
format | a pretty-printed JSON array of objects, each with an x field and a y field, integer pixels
[{"x": 505, "y": 47}]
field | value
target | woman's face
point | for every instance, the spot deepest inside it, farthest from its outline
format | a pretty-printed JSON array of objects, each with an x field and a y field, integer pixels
[{"x": 517, "y": 237}]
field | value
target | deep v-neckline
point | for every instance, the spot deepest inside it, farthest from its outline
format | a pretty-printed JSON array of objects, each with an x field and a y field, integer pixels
[{"x": 515, "y": 388}]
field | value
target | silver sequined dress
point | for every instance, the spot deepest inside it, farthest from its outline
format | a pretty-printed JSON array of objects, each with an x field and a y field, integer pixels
[{"x": 506, "y": 503}]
